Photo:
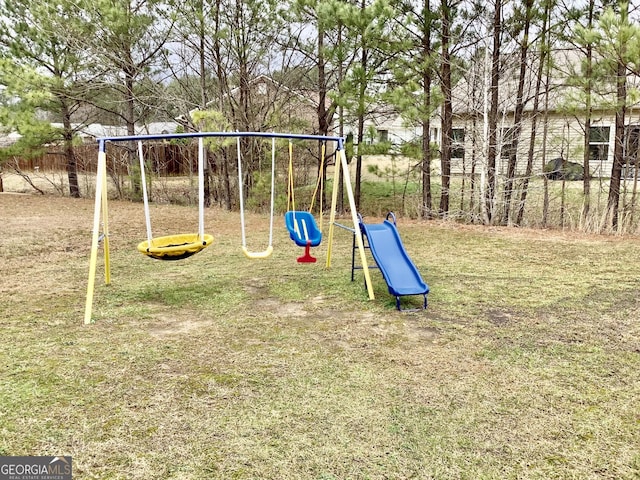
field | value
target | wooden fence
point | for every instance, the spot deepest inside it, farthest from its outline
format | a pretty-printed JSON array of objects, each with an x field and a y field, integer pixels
[{"x": 166, "y": 159}]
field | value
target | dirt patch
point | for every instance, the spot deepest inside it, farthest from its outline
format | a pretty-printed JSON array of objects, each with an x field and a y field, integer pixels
[
  {"x": 167, "y": 326},
  {"x": 499, "y": 318}
]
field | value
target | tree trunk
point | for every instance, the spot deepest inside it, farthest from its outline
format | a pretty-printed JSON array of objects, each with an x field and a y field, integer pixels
[
  {"x": 70, "y": 157},
  {"x": 475, "y": 87},
  {"x": 634, "y": 193},
  {"x": 472, "y": 174},
  {"x": 362, "y": 90},
  {"x": 130, "y": 105},
  {"x": 226, "y": 175},
  {"x": 534, "y": 120},
  {"x": 427, "y": 201},
  {"x": 323, "y": 113},
  {"x": 323, "y": 124},
  {"x": 618, "y": 152},
  {"x": 517, "y": 117},
  {"x": 586, "y": 186},
  {"x": 361, "y": 112},
  {"x": 223, "y": 92},
  {"x": 545, "y": 129},
  {"x": 447, "y": 109},
  {"x": 130, "y": 119},
  {"x": 340, "y": 205},
  {"x": 202, "y": 45},
  {"x": 358, "y": 175},
  {"x": 493, "y": 113},
  {"x": 586, "y": 181}
]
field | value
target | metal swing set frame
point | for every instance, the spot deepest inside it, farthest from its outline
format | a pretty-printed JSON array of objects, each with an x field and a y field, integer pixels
[{"x": 198, "y": 241}]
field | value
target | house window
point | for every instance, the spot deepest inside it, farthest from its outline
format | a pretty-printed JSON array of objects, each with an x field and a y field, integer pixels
[
  {"x": 599, "y": 144},
  {"x": 383, "y": 135},
  {"x": 457, "y": 143},
  {"x": 435, "y": 135},
  {"x": 262, "y": 88}
]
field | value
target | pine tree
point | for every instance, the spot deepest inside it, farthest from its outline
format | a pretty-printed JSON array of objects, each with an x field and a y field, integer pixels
[
  {"x": 45, "y": 69},
  {"x": 125, "y": 49},
  {"x": 618, "y": 37},
  {"x": 413, "y": 94}
]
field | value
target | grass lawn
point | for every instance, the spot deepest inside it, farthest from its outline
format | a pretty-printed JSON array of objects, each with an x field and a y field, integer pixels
[{"x": 525, "y": 366}]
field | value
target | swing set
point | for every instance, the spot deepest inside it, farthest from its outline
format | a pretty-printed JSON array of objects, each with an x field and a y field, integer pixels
[{"x": 301, "y": 225}]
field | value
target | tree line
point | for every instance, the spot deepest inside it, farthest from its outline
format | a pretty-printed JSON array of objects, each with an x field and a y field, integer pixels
[{"x": 131, "y": 62}]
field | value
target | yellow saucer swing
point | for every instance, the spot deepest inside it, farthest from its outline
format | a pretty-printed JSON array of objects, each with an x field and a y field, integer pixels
[{"x": 180, "y": 246}]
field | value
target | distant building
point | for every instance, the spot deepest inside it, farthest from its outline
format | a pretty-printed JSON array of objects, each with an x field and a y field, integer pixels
[
  {"x": 561, "y": 115},
  {"x": 560, "y": 111}
]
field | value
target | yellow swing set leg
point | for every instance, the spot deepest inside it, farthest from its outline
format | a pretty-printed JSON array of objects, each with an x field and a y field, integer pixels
[
  {"x": 100, "y": 206},
  {"x": 344, "y": 167}
]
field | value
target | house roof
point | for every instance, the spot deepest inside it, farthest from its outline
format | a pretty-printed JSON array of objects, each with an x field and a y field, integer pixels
[
  {"x": 264, "y": 79},
  {"x": 8, "y": 139},
  {"x": 96, "y": 130}
]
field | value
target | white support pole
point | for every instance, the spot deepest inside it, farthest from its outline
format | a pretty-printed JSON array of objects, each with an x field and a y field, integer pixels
[
  {"x": 241, "y": 194},
  {"x": 273, "y": 187},
  {"x": 201, "y": 188}
]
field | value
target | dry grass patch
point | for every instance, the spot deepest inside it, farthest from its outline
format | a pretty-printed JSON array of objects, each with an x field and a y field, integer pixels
[{"x": 525, "y": 365}]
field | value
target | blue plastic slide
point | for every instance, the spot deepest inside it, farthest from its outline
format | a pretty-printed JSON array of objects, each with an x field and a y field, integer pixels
[{"x": 398, "y": 270}]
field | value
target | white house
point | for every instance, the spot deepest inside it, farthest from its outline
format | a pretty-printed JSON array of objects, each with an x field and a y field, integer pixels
[{"x": 559, "y": 121}]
